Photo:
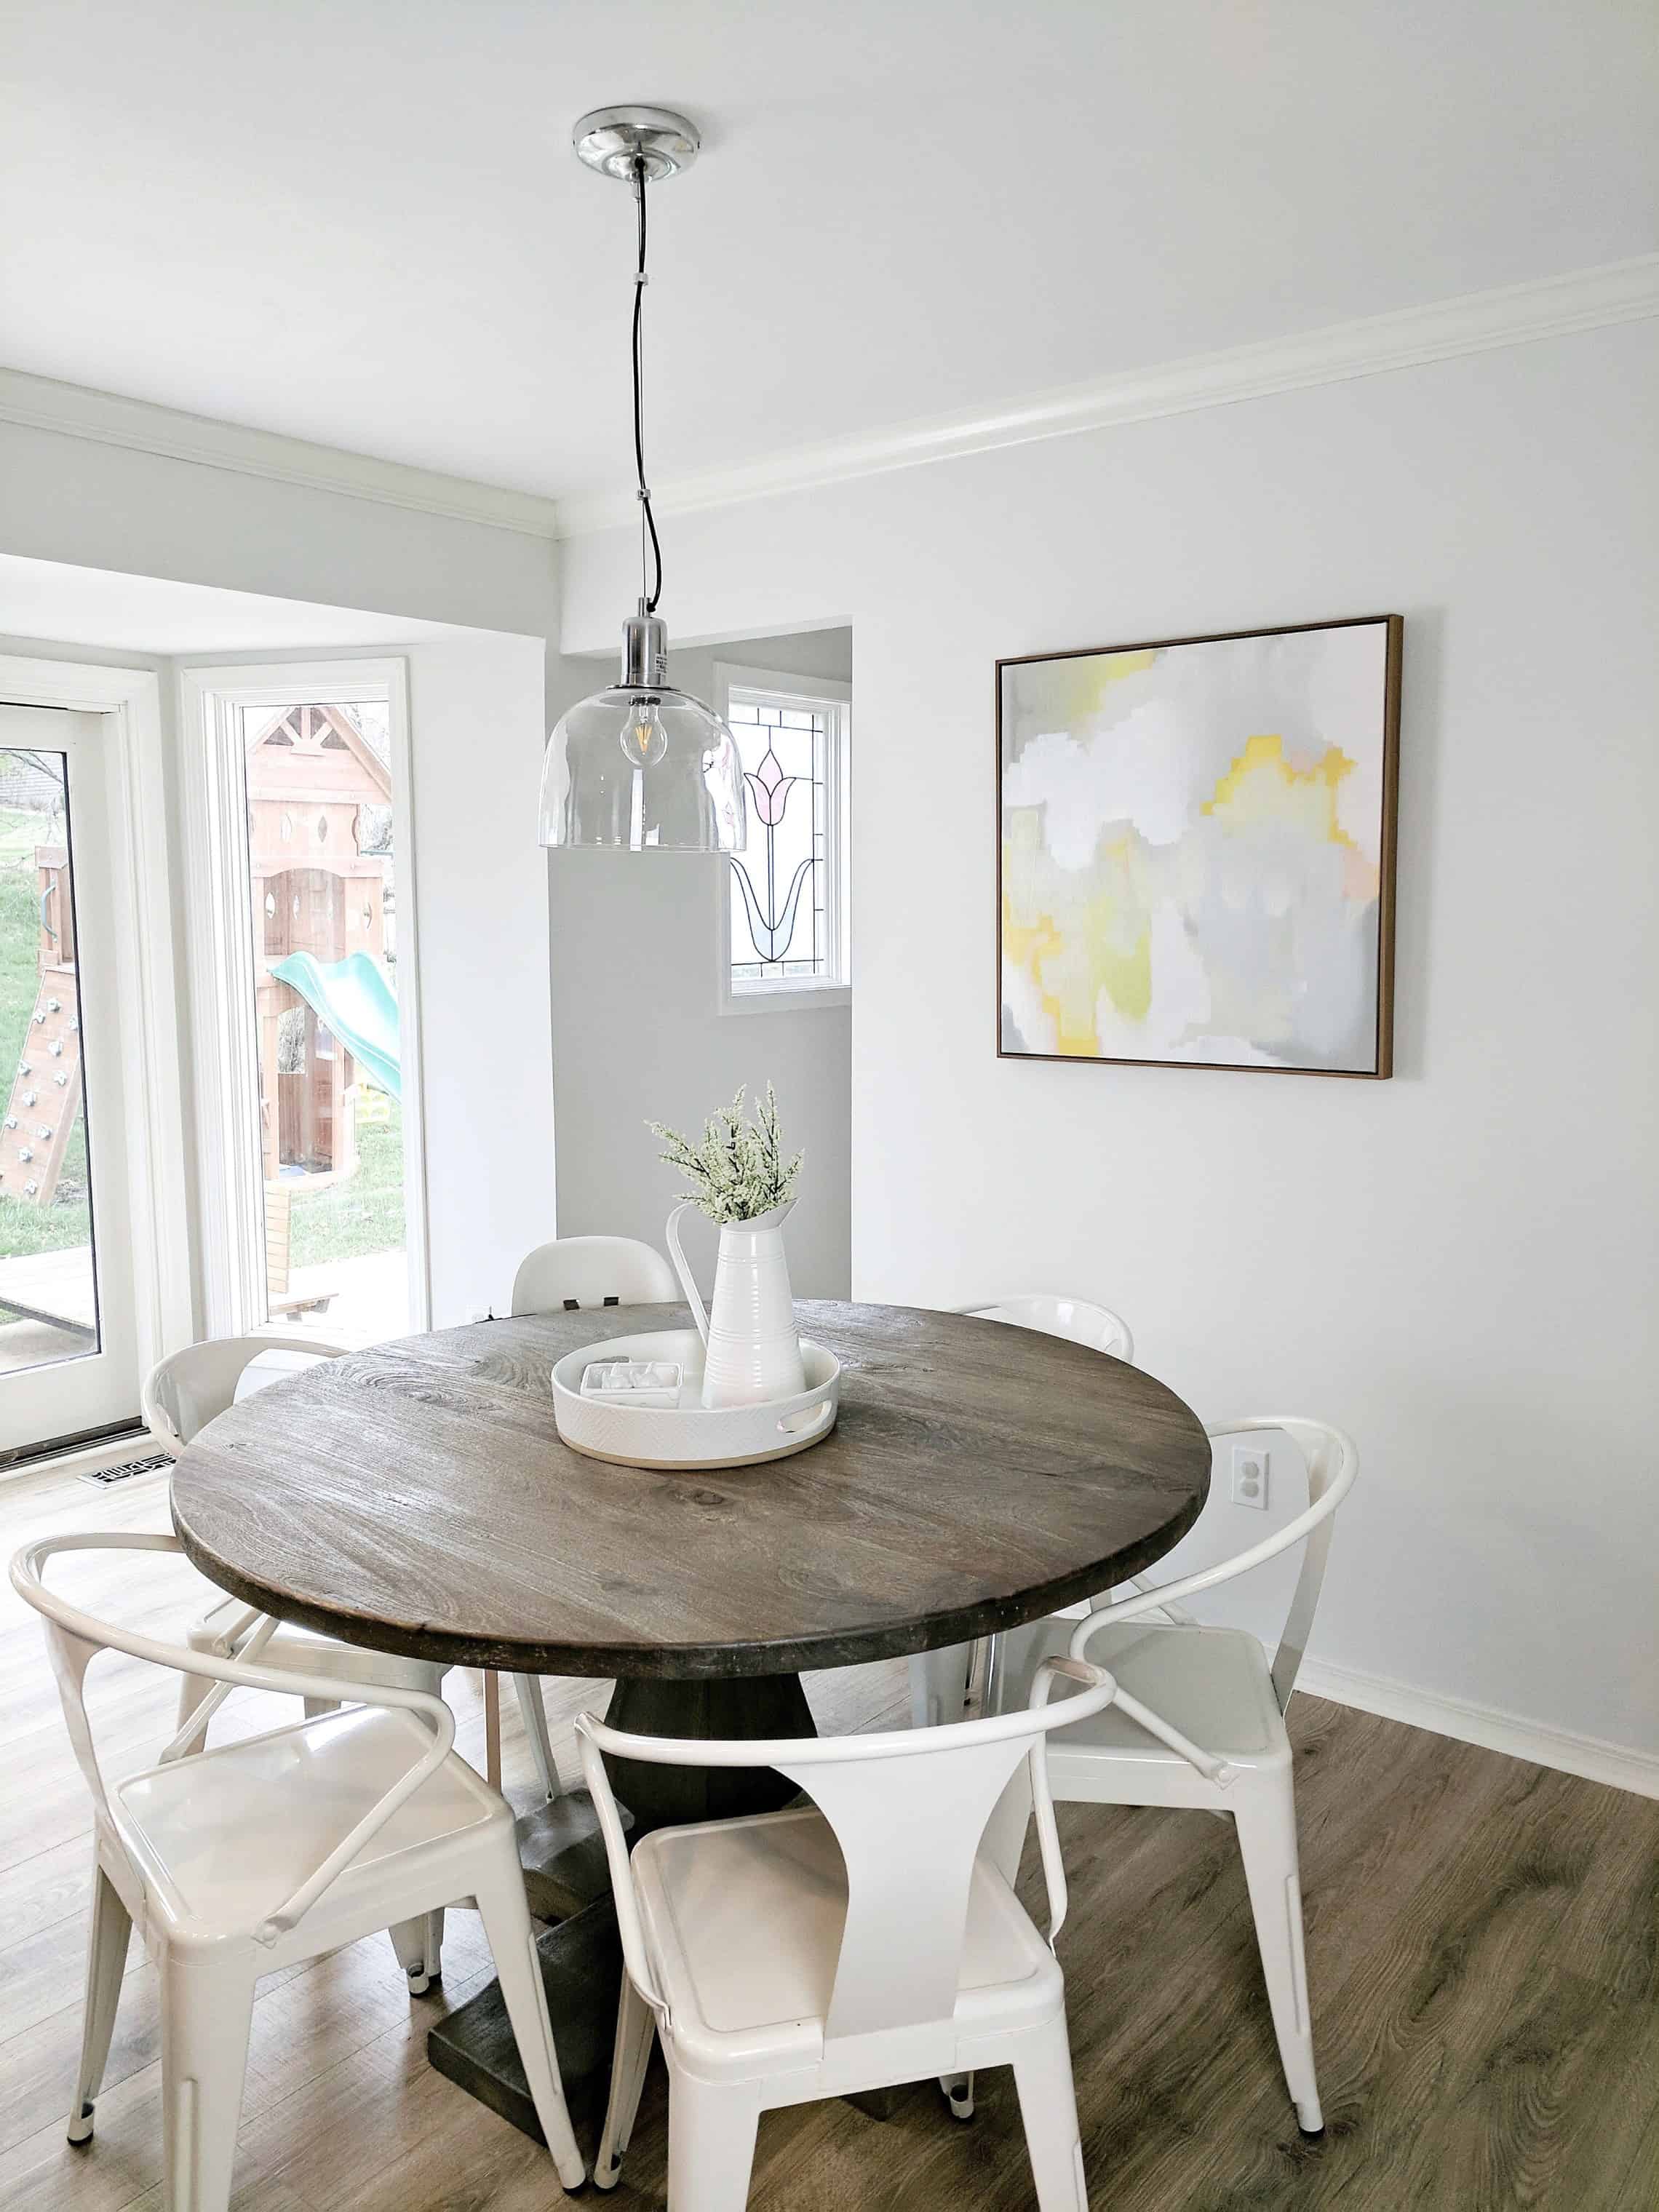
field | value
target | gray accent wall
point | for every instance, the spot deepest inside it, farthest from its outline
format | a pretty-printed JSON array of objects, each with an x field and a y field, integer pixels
[{"x": 638, "y": 1033}]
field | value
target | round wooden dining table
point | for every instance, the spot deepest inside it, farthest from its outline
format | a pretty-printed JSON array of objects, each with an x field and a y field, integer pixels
[{"x": 416, "y": 1498}]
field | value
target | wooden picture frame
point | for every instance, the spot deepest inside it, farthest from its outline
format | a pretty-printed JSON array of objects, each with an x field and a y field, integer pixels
[{"x": 1081, "y": 930}]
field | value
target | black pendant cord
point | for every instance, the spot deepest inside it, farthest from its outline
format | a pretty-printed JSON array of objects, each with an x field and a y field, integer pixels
[{"x": 650, "y": 531}]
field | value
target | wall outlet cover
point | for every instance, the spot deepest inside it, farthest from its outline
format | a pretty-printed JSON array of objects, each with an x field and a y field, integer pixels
[{"x": 1250, "y": 1477}]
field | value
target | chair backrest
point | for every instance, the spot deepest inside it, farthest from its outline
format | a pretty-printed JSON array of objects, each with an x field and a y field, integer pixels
[
  {"x": 908, "y": 1811},
  {"x": 1332, "y": 1461},
  {"x": 1080, "y": 1320},
  {"x": 184, "y": 1391},
  {"x": 74, "y": 1639},
  {"x": 573, "y": 1272}
]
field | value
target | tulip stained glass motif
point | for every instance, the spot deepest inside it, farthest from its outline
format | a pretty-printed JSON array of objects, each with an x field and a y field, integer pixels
[{"x": 778, "y": 926}]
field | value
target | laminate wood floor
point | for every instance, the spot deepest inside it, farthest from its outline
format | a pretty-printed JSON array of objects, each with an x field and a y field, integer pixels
[{"x": 1481, "y": 1939}]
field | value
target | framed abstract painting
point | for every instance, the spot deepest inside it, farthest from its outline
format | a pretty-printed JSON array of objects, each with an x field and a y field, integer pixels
[{"x": 1196, "y": 850}]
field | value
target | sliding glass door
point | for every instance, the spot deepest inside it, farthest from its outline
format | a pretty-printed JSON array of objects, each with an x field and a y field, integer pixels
[{"x": 68, "y": 1350}]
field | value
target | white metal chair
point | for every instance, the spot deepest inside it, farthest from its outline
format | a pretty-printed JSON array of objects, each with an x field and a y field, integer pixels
[
  {"x": 939, "y": 1680},
  {"x": 1216, "y": 1687},
  {"x": 865, "y": 1940},
  {"x": 180, "y": 1396},
  {"x": 577, "y": 1272},
  {"x": 260, "y": 1854},
  {"x": 570, "y": 1274},
  {"x": 1078, "y": 1320}
]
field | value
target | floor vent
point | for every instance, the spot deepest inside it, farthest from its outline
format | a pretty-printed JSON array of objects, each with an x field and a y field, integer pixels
[{"x": 129, "y": 1466}]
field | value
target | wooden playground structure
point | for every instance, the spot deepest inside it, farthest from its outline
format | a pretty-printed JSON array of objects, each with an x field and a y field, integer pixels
[
  {"x": 313, "y": 783},
  {"x": 45, "y": 1091}
]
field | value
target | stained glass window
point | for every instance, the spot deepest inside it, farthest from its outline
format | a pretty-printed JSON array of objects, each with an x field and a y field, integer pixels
[{"x": 784, "y": 918}]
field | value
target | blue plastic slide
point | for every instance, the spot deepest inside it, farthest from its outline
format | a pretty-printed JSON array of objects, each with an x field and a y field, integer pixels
[{"x": 355, "y": 997}]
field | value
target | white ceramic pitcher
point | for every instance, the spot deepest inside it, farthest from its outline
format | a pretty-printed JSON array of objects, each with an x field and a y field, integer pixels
[{"x": 751, "y": 1352}]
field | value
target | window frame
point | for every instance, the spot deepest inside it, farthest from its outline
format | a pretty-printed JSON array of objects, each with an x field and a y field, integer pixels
[
  {"x": 833, "y": 698},
  {"x": 130, "y": 700},
  {"x": 220, "y": 939}
]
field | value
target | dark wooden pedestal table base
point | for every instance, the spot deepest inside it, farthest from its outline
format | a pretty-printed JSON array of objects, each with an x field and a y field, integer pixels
[
  {"x": 416, "y": 1498},
  {"x": 582, "y": 1956}
]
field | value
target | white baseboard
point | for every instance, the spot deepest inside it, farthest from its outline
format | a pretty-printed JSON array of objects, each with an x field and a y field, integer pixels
[{"x": 1588, "y": 1755}]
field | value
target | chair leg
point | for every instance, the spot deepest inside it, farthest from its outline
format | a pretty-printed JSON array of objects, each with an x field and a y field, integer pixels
[
  {"x": 492, "y": 1709},
  {"x": 939, "y": 1685},
  {"x": 711, "y": 2145},
  {"x": 959, "y": 2093},
  {"x": 107, "y": 1959},
  {"x": 1266, "y": 1819},
  {"x": 1047, "y": 2104},
  {"x": 205, "y": 2016},
  {"x": 419, "y": 1946},
  {"x": 533, "y": 1713},
  {"x": 505, "y": 1918},
  {"x": 192, "y": 1688},
  {"x": 637, "y": 2027}
]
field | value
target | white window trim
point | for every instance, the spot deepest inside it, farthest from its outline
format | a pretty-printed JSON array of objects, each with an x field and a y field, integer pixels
[
  {"x": 219, "y": 940},
  {"x": 157, "y": 1173},
  {"x": 801, "y": 994}
]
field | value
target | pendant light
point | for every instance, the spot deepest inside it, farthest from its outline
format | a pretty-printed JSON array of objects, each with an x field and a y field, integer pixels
[{"x": 641, "y": 767}]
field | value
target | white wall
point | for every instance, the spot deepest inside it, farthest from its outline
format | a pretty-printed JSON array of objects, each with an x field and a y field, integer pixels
[
  {"x": 475, "y": 722},
  {"x": 1457, "y": 1264},
  {"x": 97, "y": 506},
  {"x": 477, "y": 729},
  {"x": 638, "y": 1034}
]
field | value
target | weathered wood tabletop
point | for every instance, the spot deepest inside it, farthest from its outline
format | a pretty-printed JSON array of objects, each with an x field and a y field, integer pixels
[{"x": 416, "y": 1498}]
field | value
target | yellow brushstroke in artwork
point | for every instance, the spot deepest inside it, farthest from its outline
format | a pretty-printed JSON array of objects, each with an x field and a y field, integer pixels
[
  {"x": 1071, "y": 966},
  {"x": 1027, "y": 942},
  {"x": 1032, "y": 945},
  {"x": 1119, "y": 961},
  {"x": 1262, "y": 786},
  {"x": 1077, "y": 688}
]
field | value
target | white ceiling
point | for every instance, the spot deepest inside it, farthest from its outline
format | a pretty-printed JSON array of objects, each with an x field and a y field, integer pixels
[{"x": 358, "y": 221}]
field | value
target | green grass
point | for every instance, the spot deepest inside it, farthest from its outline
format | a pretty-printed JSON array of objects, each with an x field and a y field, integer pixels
[
  {"x": 26, "y": 1228},
  {"x": 358, "y": 1217}
]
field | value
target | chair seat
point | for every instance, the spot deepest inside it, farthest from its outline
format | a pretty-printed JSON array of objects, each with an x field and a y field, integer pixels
[
  {"x": 744, "y": 1921},
  {"x": 306, "y": 1651},
  {"x": 1212, "y": 1683},
  {"x": 227, "y": 1836}
]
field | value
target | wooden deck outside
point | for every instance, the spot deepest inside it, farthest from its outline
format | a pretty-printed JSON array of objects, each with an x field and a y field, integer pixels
[{"x": 52, "y": 1286}]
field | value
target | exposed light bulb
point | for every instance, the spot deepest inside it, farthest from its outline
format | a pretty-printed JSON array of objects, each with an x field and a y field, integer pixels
[{"x": 644, "y": 740}]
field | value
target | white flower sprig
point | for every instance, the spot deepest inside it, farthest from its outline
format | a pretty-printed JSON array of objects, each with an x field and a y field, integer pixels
[{"x": 738, "y": 1171}]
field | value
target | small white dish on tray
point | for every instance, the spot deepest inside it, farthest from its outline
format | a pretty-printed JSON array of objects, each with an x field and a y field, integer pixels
[
  {"x": 687, "y": 1434},
  {"x": 633, "y": 1382}
]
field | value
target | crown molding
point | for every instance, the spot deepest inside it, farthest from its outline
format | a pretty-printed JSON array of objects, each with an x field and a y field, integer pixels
[
  {"x": 1516, "y": 314},
  {"x": 74, "y": 411},
  {"x": 1477, "y": 322}
]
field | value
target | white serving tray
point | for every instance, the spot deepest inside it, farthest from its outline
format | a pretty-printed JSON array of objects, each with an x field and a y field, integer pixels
[{"x": 689, "y": 1435}]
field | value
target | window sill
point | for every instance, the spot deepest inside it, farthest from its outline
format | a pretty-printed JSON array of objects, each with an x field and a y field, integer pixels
[{"x": 786, "y": 998}]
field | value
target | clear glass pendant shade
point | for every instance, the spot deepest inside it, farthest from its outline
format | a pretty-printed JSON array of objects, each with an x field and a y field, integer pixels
[{"x": 641, "y": 767}]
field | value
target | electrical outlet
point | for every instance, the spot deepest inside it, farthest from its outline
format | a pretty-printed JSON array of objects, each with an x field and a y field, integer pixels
[{"x": 1250, "y": 1477}]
